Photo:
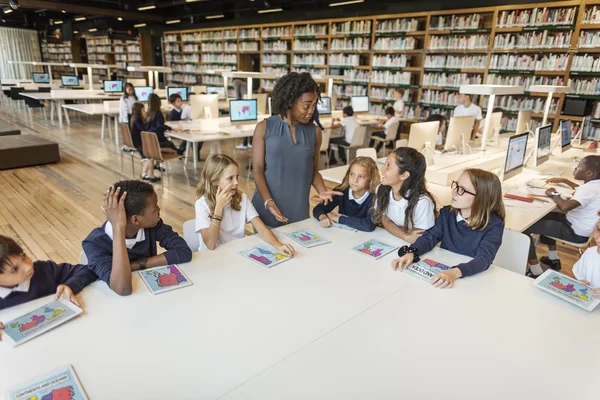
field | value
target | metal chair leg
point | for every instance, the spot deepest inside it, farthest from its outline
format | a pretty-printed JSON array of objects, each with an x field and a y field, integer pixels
[
  {"x": 132, "y": 164},
  {"x": 121, "y": 160}
]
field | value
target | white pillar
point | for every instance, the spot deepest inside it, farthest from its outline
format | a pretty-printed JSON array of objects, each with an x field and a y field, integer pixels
[
  {"x": 150, "y": 79},
  {"x": 329, "y": 87},
  {"x": 488, "y": 120},
  {"x": 90, "y": 79},
  {"x": 249, "y": 87},
  {"x": 156, "y": 85},
  {"x": 547, "y": 108}
]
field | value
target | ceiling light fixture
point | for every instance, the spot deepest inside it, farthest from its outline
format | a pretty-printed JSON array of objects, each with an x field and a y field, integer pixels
[
  {"x": 119, "y": 19},
  {"x": 215, "y": 16},
  {"x": 75, "y": 32},
  {"x": 270, "y": 10},
  {"x": 7, "y": 11},
  {"x": 192, "y": 1},
  {"x": 344, "y": 3},
  {"x": 173, "y": 21},
  {"x": 57, "y": 22},
  {"x": 79, "y": 18},
  {"x": 147, "y": 7},
  {"x": 139, "y": 25},
  {"x": 92, "y": 30},
  {"x": 63, "y": 11}
]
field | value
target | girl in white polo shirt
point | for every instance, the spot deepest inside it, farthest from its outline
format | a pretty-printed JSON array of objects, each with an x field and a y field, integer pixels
[
  {"x": 222, "y": 211},
  {"x": 403, "y": 205}
]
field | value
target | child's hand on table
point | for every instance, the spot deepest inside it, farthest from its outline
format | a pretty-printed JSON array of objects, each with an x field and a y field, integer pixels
[
  {"x": 446, "y": 279},
  {"x": 595, "y": 291},
  {"x": 335, "y": 217},
  {"x": 286, "y": 249},
  {"x": 64, "y": 289},
  {"x": 403, "y": 262},
  {"x": 324, "y": 221}
]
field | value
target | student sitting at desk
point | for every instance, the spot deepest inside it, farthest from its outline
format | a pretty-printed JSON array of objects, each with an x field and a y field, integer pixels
[
  {"x": 155, "y": 122},
  {"x": 222, "y": 210},
  {"x": 181, "y": 113},
  {"x": 399, "y": 103},
  {"x": 466, "y": 108},
  {"x": 349, "y": 124},
  {"x": 439, "y": 141},
  {"x": 23, "y": 280},
  {"x": 577, "y": 219},
  {"x": 472, "y": 225},
  {"x": 136, "y": 126},
  {"x": 126, "y": 104},
  {"x": 358, "y": 191},
  {"x": 391, "y": 119},
  {"x": 404, "y": 206},
  {"x": 126, "y": 242},
  {"x": 587, "y": 269}
]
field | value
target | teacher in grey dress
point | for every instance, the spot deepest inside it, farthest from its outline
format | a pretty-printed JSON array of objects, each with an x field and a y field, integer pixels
[{"x": 285, "y": 153}]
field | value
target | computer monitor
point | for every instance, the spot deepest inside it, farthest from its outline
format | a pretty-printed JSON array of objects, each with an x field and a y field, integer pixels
[
  {"x": 243, "y": 111},
  {"x": 219, "y": 90},
  {"x": 41, "y": 78},
  {"x": 515, "y": 155},
  {"x": 182, "y": 91},
  {"x": 324, "y": 106},
  {"x": 543, "y": 134},
  {"x": 459, "y": 133},
  {"x": 422, "y": 133},
  {"x": 204, "y": 106},
  {"x": 523, "y": 121},
  {"x": 360, "y": 104},
  {"x": 143, "y": 92},
  {"x": 113, "y": 86},
  {"x": 565, "y": 135},
  {"x": 69, "y": 80}
]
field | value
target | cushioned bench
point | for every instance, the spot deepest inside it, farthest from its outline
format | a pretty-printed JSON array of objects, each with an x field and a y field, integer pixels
[
  {"x": 6, "y": 130},
  {"x": 25, "y": 150}
]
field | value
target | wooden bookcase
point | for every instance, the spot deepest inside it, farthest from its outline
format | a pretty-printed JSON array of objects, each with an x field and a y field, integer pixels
[{"x": 428, "y": 54}]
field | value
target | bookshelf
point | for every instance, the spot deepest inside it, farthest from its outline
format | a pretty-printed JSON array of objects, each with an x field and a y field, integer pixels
[
  {"x": 58, "y": 52},
  {"x": 99, "y": 48}
]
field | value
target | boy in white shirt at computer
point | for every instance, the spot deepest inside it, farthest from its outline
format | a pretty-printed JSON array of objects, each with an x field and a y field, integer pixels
[
  {"x": 587, "y": 269},
  {"x": 391, "y": 119},
  {"x": 349, "y": 124},
  {"x": 466, "y": 108}
]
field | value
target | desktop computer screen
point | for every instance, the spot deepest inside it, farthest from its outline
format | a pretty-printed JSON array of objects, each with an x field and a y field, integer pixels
[
  {"x": 515, "y": 155},
  {"x": 324, "y": 106},
  {"x": 359, "y": 103},
  {"x": 143, "y": 92},
  {"x": 113, "y": 86},
  {"x": 544, "y": 134},
  {"x": 243, "y": 110},
  {"x": 69, "y": 80},
  {"x": 182, "y": 91},
  {"x": 41, "y": 78},
  {"x": 565, "y": 135}
]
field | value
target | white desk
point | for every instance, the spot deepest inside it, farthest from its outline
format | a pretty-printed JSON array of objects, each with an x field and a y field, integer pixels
[{"x": 209, "y": 130}]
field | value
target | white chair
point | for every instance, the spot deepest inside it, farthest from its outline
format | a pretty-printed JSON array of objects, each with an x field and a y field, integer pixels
[
  {"x": 83, "y": 258},
  {"x": 401, "y": 143},
  {"x": 513, "y": 252},
  {"x": 578, "y": 246},
  {"x": 325, "y": 144},
  {"x": 367, "y": 152},
  {"x": 190, "y": 236},
  {"x": 389, "y": 137},
  {"x": 357, "y": 141}
]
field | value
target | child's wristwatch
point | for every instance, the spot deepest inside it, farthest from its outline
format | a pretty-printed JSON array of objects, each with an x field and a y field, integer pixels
[{"x": 142, "y": 262}]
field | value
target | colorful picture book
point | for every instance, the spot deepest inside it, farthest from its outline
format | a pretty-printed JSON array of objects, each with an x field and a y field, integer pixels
[
  {"x": 39, "y": 321},
  {"x": 164, "y": 279},
  {"x": 307, "y": 238},
  {"x": 344, "y": 227},
  {"x": 426, "y": 269},
  {"x": 374, "y": 249},
  {"x": 265, "y": 257},
  {"x": 567, "y": 289},
  {"x": 60, "y": 385}
]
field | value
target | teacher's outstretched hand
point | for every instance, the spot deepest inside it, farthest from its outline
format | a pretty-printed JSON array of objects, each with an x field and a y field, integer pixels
[
  {"x": 273, "y": 209},
  {"x": 327, "y": 196}
]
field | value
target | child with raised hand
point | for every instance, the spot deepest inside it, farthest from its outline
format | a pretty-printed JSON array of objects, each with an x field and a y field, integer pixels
[
  {"x": 358, "y": 192},
  {"x": 472, "y": 225},
  {"x": 403, "y": 205},
  {"x": 222, "y": 210},
  {"x": 23, "y": 280},
  {"x": 587, "y": 268}
]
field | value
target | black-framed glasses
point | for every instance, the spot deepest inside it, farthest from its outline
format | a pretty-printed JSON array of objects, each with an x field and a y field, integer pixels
[{"x": 459, "y": 189}]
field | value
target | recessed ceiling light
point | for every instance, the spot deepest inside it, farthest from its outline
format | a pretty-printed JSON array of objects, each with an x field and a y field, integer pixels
[
  {"x": 270, "y": 10},
  {"x": 191, "y": 1},
  {"x": 8, "y": 11},
  {"x": 57, "y": 22},
  {"x": 92, "y": 30},
  {"x": 147, "y": 7},
  {"x": 119, "y": 19},
  {"x": 63, "y": 11},
  {"x": 76, "y": 32},
  {"x": 139, "y": 25},
  {"x": 215, "y": 16},
  {"x": 343, "y": 3},
  {"x": 79, "y": 18},
  {"x": 173, "y": 21}
]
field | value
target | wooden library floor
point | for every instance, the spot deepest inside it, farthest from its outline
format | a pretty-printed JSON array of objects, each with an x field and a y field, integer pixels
[{"x": 50, "y": 209}]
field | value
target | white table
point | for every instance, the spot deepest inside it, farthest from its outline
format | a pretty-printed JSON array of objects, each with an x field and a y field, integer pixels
[
  {"x": 239, "y": 323},
  {"x": 209, "y": 130}
]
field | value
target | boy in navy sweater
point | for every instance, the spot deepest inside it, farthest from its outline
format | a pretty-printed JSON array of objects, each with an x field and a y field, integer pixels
[
  {"x": 22, "y": 280},
  {"x": 126, "y": 242},
  {"x": 177, "y": 114}
]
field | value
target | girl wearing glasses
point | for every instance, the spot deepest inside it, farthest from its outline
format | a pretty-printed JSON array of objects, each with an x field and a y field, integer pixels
[
  {"x": 403, "y": 205},
  {"x": 472, "y": 225}
]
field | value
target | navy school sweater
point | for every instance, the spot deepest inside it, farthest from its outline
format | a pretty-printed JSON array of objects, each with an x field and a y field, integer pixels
[
  {"x": 157, "y": 125},
  {"x": 47, "y": 276},
  {"x": 175, "y": 115},
  {"x": 357, "y": 216},
  {"x": 457, "y": 237},
  {"x": 98, "y": 248}
]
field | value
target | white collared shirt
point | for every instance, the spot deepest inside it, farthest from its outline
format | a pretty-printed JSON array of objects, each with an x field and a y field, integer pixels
[
  {"x": 21, "y": 287},
  {"x": 584, "y": 218},
  {"x": 129, "y": 243},
  {"x": 359, "y": 201}
]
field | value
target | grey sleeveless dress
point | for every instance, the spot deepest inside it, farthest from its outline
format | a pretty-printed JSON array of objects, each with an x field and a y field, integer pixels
[{"x": 288, "y": 170}]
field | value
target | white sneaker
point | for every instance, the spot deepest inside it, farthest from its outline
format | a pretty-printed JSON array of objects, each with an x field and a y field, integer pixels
[
  {"x": 249, "y": 146},
  {"x": 241, "y": 147}
]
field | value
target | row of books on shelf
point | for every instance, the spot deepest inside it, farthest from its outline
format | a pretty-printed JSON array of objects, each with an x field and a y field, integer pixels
[
  {"x": 248, "y": 46},
  {"x": 379, "y": 93},
  {"x": 515, "y": 104},
  {"x": 311, "y": 30},
  {"x": 100, "y": 49},
  {"x": 451, "y": 79},
  {"x": 445, "y": 22},
  {"x": 585, "y": 63},
  {"x": 456, "y": 62},
  {"x": 276, "y": 45},
  {"x": 585, "y": 86},
  {"x": 191, "y": 48},
  {"x": 410, "y": 112},
  {"x": 351, "y": 28},
  {"x": 589, "y": 39},
  {"x": 355, "y": 44},
  {"x": 279, "y": 71},
  {"x": 525, "y": 81},
  {"x": 398, "y": 25},
  {"x": 392, "y": 43},
  {"x": 183, "y": 78},
  {"x": 529, "y": 62},
  {"x": 456, "y": 42},
  {"x": 350, "y": 90},
  {"x": 537, "y": 17},
  {"x": 127, "y": 49},
  {"x": 312, "y": 71},
  {"x": 252, "y": 33},
  {"x": 391, "y": 77},
  {"x": 310, "y": 59},
  {"x": 99, "y": 41},
  {"x": 533, "y": 40},
  {"x": 274, "y": 59},
  {"x": 379, "y": 60},
  {"x": 591, "y": 15}
]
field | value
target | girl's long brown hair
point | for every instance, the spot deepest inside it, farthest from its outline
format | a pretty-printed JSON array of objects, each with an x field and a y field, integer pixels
[
  {"x": 153, "y": 107},
  {"x": 407, "y": 159},
  {"x": 213, "y": 170},
  {"x": 136, "y": 114},
  {"x": 372, "y": 174},
  {"x": 488, "y": 198}
]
